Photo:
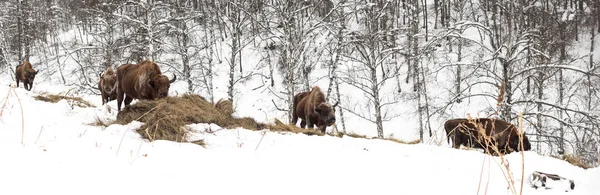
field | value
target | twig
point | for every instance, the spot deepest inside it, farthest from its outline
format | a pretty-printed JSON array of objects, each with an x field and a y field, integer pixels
[
  {"x": 4, "y": 102},
  {"x": 148, "y": 134},
  {"x": 122, "y": 137},
  {"x": 38, "y": 138},
  {"x": 280, "y": 109},
  {"x": 481, "y": 173},
  {"x": 487, "y": 183},
  {"x": 520, "y": 133},
  {"x": 261, "y": 138},
  {"x": 22, "y": 116}
]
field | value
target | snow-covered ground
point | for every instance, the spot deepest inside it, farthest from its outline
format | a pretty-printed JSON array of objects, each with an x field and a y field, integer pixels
[{"x": 62, "y": 154}]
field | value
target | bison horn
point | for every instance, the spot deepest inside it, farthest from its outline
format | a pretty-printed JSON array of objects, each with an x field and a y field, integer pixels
[{"x": 174, "y": 78}]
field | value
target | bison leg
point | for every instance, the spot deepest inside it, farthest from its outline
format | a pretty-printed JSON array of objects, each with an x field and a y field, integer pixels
[
  {"x": 302, "y": 124},
  {"x": 120, "y": 95},
  {"x": 103, "y": 95},
  {"x": 17, "y": 82},
  {"x": 294, "y": 117},
  {"x": 30, "y": 85},
  {"x": 456, "y": 141},
  {"x": 27, "y": 86},
  {"x": 310, "y": 124},
  {"x": 323, "y": 128},
  {"x": 128, "y": 100}
]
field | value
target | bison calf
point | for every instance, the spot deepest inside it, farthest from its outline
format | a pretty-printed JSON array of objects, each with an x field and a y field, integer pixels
[
  {"x": 108, "y": 85},
  {"x": 26, "y": 74},
  {"x": 497, "y": 133},
  {"x": 313, "y": 109}
]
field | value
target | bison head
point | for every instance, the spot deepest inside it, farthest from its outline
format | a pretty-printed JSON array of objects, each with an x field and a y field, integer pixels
[
  {"x": 161, "y": 85},
  {"x": 109, "y": 82},
  {"x": 514, "y": 143},
  {"x": 326, "y": 113},
  {"x": 31, "y": 74}
]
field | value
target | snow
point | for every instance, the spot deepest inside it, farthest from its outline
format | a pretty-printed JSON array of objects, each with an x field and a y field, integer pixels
[{"x": 62, "y": 154}]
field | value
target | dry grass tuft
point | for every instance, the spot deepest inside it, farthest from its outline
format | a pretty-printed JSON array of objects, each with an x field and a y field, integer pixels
[
  {"x": 574, "y": 160},
  {"x": 403, "y": 142},
  {"x": 52, "y": 98},
  {"x": 100, "y": 123},
  {"x": 342, "y": 134},
  {"x": 281, "y": 127},
  {"x": 225, "y": 106},
  {"x": 165, "y": 119}
]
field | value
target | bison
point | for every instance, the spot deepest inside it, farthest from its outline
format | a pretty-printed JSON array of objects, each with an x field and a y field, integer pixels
[
  {"x": 312, "y": 108},
  {"x": 25, "y": 73},
  {"x": 298, "y": 112},
  {"x": 502, "y": 134},
  {"x": 143, "y": 81},
  {"x": 108, "y": 85}
]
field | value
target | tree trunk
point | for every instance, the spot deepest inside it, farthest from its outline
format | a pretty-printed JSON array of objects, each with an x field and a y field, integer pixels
[
  {"x": 561, "y": 92},
  {"x": 506, "y": 106},
  {"x": 376, "y": 102},
  {"x": 540, "y": 122},
  {"x": 339, "y": 99},
  {"x": 149, "y": 28},
  {"x": 234, "y": 51},
  {"x": 20, "y": 34}
]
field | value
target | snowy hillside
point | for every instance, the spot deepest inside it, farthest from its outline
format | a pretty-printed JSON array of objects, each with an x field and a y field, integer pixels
[{"x": 62, "y": 153}]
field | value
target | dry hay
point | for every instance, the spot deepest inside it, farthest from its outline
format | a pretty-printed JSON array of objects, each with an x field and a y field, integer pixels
[
  {"x": 574, "y": 160},
  {"x": 164, "y": 119},
  {"x": 342, "y": 134},
  {"x": 225, "y": 106},
  {"x": 52, "y": 98}
]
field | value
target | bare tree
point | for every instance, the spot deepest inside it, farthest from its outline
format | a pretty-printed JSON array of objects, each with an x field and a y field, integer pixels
[{"x": 374, "y": 66}]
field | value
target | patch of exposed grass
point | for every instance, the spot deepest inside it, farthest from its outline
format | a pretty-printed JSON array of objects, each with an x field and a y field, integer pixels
[
  {"x": 342, "y": 134},
  {"x": 282, "y": 127},
  {"x": 53, "y": 98},
  {"x": 100, "y": 123},
  {"x": 164, "y": 119},
  {"x": 401, "y": 141},
  {"x": 574, "y": 160}
]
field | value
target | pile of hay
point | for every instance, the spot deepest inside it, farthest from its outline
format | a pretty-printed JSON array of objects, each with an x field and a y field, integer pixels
[
  {"x": 52, "y": 98},
  {"x": 164, "y": 119},
  {"x": 574, "y": 160}
]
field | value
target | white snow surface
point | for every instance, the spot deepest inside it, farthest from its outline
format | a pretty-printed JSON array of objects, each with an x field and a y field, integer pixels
[{"x": 62, "y": 154}]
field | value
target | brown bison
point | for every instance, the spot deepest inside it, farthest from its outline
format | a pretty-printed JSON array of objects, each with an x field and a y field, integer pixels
[
  {"x": 312, "y": 108},
  {"x": 143, "y": 81},
  {"x": 297, "y": 112},
  {"x": 502, "y": 134},
  {"x": 25, "y": 73},
  {"x": 108, "y": 85}
]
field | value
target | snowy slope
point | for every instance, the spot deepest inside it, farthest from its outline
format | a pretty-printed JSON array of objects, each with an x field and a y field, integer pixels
[{"x": 62, "y": 154}]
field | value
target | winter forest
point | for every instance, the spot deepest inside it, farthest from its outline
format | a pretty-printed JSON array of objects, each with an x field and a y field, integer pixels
[{"x": 386, "y": 62}]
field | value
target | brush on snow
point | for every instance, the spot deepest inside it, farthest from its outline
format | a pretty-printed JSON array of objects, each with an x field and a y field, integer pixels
[
  {"x": 549, "y": 181},
  {"x": 164, "y": 119}
]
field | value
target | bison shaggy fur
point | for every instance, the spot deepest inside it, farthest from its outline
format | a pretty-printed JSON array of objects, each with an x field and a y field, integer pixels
[
  {"x": 313, "y": 109},
  {"x": 26, "y": 74},
  {"x": 143, "y": 81},
  {"x": 108, "y": 85},
  {"x": 501, "y": 134}
]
